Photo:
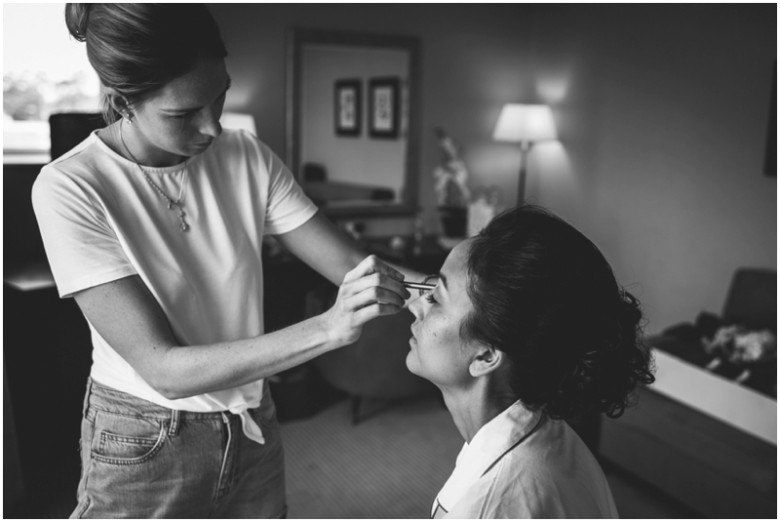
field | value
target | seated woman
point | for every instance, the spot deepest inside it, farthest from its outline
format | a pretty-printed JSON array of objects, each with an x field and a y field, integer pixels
[{"x": 527, "y": 327}]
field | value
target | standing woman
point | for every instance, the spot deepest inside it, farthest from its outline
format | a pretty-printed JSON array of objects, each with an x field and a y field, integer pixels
[
  {"x": 526, "y": 327},
  {"x": 154, "y": 225}
]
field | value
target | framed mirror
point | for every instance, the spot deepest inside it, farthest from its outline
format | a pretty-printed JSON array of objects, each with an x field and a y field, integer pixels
[{"x": 353, "y": 120}]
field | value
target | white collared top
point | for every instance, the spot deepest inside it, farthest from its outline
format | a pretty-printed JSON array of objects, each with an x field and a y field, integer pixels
[{"x": 523, "y": 464}]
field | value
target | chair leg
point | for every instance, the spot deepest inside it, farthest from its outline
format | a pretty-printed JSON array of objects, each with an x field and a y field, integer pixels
[
  {"x": 375, "y": 407},
  {"x": 356, "y": 400}
]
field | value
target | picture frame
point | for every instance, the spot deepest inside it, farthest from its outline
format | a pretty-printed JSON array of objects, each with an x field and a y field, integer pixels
[
  {"x": 770, "y": 149},
  {"x": 347, "y": 107},
  {"x": 384, "y": 110}
]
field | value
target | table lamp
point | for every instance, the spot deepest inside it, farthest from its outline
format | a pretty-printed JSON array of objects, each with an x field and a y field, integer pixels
[
  {"x": 238, "y": 120},
  {"x": 526, "y": 125}
]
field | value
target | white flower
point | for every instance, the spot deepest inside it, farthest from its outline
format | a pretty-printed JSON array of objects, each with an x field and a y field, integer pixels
[
  {"x": 753, "y": 346},
  {"x": 722, "y": 339}
]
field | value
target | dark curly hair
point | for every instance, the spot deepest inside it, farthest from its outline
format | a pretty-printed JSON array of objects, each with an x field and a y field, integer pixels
[
  {"x": 546, "y": 296},
  {"x": 137, "y": 48}
]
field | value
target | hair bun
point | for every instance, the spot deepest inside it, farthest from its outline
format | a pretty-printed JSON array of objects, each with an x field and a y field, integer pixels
[{"x": 77, "y": 19}]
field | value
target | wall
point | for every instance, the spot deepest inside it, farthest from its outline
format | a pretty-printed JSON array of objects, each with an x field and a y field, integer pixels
[
  {"x": 662, "y": 114},
  {"x": 664, "y": 125}
]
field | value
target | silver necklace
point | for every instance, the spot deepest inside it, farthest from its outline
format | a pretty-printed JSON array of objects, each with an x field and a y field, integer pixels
[{"x": 173, "y": 204}]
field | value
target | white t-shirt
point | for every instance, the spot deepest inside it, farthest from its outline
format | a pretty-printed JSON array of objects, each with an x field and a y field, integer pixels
[
  {"x": 101, "y": 220},
  {"x": 522, "y": 464}
]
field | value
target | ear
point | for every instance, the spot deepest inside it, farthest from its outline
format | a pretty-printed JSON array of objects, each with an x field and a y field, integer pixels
[
  {"x": 120, "y": 104},
  {"x": 486, "y": 360}
]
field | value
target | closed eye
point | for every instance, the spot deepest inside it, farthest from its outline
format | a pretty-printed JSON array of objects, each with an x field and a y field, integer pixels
[
  {"x": 432, "y": 279},
  {"x": 191, "y": 112}
]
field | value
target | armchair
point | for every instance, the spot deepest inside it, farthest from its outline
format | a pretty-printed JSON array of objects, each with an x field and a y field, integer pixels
[
  {"x": 68, "y": 129},
  {"x": 374, "y": 367}
]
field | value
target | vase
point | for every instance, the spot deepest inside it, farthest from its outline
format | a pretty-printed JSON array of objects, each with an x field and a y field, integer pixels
[{"x": 453, "y": 220}]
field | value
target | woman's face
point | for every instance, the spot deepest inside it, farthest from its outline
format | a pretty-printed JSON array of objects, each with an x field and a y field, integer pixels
[
  {"x": 181, "y": 119},
  {"x": 437, "y": 351}
]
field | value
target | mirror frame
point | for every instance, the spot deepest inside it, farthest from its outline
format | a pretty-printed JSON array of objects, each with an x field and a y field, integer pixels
[{"x": 297, "y": 38}]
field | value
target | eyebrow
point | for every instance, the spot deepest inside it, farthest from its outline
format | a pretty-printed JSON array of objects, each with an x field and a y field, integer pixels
[{"x": 192, "y": 109}]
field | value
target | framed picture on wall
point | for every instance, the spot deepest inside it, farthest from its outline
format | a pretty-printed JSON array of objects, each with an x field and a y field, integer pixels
[
  {"x": 383, "y": 118},
  {"x": 770, "y": 156},
  {"x": 347, "y": 107}
]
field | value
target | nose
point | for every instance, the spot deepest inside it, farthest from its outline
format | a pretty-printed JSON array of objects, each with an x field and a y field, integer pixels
[
  {"x": 209, "y": 125},
  {"x": 416, "y": 307}
]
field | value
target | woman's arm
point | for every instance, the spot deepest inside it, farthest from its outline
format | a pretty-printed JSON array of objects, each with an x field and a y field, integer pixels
[
  {"x": 324, "y": 247},
  {"x": 127, "y": 316}
]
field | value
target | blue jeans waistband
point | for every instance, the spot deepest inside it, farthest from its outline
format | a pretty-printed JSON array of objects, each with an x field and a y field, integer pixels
[{"x": 105, "y": 398}]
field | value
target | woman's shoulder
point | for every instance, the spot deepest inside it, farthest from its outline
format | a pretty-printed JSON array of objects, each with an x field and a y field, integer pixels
[
  {"x": 80, "y": 164},
  {"x": 240, "y": 146},
  {"x": 536, "y": 483},
  {"x": 550, "y": 451},
  {"x": 551, "y": 474},
  {"x": 232, "y": 139}
]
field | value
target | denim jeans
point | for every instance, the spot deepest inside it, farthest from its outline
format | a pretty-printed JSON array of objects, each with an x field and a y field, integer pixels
[{"x": 141, "y": 460}]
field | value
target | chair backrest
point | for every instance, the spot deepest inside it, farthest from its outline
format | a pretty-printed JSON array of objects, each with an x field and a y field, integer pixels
[
  {"x": 314, "y": 172},
  {"x": 375, "y": 365},
  {"x": 752, "y": 298},
  {"x": 68, "y": 129}
]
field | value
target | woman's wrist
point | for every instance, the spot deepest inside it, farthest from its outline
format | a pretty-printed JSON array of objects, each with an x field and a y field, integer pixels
[{"x": 333, "y": 337}]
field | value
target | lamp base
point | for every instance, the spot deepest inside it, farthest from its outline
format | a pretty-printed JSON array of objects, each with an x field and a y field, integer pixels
[
  {"x": 525, "y": 148},
  {"x": 521, "y": 187}
]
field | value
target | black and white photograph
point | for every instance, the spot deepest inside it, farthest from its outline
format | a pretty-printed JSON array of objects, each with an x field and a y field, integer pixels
[
  {"x": 390, "y": 261},
  {"x": 347, "y": 111},
  {"x": 384, "y": 108}
]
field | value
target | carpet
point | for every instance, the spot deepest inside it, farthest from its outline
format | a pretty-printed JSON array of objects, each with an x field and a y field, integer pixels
[{"x": 390, "y": 465}]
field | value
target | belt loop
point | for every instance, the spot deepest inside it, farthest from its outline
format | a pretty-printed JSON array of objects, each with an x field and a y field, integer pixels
[
  {"x": 173, "y": 430},
  {"x": 88, "y": 392}
]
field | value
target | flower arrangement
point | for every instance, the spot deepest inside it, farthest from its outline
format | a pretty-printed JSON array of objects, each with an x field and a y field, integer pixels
[
  {"x": 464, "y": 212},
  {"x": 451, "y": 175},
  {"x": 452, "y": 192}
]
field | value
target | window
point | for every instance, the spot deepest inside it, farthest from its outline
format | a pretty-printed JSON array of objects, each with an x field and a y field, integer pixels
[{"x": 44, "y": 71}]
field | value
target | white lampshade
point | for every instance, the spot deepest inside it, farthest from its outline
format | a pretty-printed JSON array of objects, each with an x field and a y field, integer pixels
[
  {"x": 238, "y": 120},
  {"x": 525, "y": 123}
]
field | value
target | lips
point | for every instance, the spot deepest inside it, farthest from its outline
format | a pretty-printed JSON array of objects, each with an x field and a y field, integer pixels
[{"x": 202, "y": 145}]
